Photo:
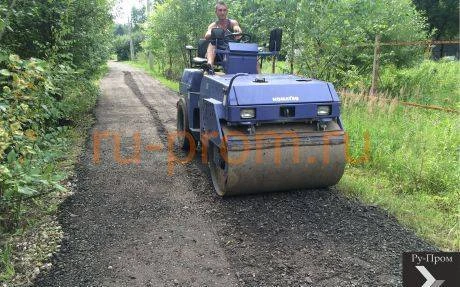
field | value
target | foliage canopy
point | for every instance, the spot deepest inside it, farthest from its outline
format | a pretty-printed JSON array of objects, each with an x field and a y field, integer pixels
[
  {"x": 321, "y": 37},
  {"x": 59, "y": 31},
  {"x": 442, "y": 16}
]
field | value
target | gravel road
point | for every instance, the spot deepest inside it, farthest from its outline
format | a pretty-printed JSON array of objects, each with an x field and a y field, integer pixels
[{"x": 131, "y": 223}]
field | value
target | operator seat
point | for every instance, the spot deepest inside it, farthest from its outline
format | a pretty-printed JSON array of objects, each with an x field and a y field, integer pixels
[
  {"x": 200, "y": 58},
  {"x": 201, "y": 52},
  {"x": 202, "y": 48}
]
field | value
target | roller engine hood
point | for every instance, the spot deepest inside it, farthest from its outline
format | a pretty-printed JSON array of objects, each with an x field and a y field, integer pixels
[{"x": 278, "y": 89}]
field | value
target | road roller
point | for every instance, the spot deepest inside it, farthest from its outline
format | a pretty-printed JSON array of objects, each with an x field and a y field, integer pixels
[{"x": 259, "y": 132}]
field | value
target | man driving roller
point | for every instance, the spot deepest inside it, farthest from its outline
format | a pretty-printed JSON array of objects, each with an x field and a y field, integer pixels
[{"x": 229, "y": 26}]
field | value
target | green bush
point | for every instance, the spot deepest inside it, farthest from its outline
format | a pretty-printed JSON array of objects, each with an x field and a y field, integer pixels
[
  {"x": 75, "y": 33},
  {"x": 30, "y": 112},
  {"x": 36, "y": 100},
  {"x": 28, "y": 103},
  {"x": 77, "y": 94},
  {"x": 121, "y": 44}
]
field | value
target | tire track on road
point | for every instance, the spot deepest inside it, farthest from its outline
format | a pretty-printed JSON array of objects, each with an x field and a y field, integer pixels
[
  {"x": 161, "y": 129},
  {"x": 132, "y": 224}
]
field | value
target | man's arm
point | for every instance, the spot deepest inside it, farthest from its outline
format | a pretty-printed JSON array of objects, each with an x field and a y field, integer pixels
[
  {"x": 207, "y": 36},
  {"x": 236, "y": 26}
]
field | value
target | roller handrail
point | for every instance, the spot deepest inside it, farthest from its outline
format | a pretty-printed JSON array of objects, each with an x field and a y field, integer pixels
[{"x": 227, "y": 92}]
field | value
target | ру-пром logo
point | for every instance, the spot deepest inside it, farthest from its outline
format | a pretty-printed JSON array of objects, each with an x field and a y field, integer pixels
[{"x": 431, "y": 269}]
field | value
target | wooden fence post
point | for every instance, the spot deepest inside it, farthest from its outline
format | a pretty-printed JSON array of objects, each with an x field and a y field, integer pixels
[
  {"x": 375, "y": 68},
  {"x": 429, "y": 49}
]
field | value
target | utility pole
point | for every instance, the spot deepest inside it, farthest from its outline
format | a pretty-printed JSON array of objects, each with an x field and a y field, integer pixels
[
  {"x": 149, "y": 6},
  {"x": 149, "y": 53},
  {"x": 131, "y": 45}
]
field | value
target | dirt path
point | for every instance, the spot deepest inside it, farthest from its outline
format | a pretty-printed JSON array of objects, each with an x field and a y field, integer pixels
[{"x": 133, "y": 224}]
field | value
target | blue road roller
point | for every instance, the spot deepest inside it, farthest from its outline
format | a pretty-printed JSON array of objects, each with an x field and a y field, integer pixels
[{"x": 259, "y": 132}]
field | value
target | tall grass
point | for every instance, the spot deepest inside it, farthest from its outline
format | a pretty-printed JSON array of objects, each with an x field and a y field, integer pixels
[
  {"x": 429, "y": 82},
  {"x": 6, "y": 267},
  {"x": 413, "y": 167}
]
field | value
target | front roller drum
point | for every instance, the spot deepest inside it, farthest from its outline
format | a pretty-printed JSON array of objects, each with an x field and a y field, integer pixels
[{"x": 276, "y": 168}]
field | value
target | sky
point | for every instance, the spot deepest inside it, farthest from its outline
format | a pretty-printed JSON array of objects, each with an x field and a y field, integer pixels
[{"x": 122, "y": 9}]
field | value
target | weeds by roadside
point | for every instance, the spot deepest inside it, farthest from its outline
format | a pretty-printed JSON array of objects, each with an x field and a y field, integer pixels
[
  {"x": 413, "y": 168},
  {"x": 5, "y": 262}
]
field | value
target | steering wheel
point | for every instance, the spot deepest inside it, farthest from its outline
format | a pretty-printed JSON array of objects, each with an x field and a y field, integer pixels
[{"x": 244, "y": 38}]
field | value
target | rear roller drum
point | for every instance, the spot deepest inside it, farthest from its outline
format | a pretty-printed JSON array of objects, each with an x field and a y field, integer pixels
[{"x": 182, "y": 126}]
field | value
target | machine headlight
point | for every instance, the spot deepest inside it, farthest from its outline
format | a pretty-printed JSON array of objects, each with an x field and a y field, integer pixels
[
  {"x": 248, "y": 113},
  {"x": 324, "y": 110}
]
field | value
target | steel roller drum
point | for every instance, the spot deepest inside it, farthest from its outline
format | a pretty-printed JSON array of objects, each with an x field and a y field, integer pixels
[{"x": 277, "y": 158}]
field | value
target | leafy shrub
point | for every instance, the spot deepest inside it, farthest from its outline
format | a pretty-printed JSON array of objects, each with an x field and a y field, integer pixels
[
  {"x": 121, "y": 44},
  {"x": 28, "y": 104},
  {"x": 77, "y": 95},
  {"x": 76, "y": 33},
  {"x": 30, "y": 138}
]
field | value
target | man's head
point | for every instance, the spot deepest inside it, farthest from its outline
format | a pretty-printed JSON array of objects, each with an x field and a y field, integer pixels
[{"x": 221, "y": 10}]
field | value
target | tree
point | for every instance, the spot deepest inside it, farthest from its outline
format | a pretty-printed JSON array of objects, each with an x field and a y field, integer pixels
[
  {"x": 334, "y": 35},
  {"x": 120, "y": 30},
  {"x": 442, "y": 17},
  {"x": 172, "y": 25},
  {"x": 324, "y": 39},
  {"x": 60, "y": 31},
  {"x": 138, "y": 17}
]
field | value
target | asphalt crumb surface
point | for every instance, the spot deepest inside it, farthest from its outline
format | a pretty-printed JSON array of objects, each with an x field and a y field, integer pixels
[{"x": 132, "y": 223}]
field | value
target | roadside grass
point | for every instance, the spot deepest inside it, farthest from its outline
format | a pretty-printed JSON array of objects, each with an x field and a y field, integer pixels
[
  {"x": 427, "y": 215},
  {"x": 281, "y": 67},
  {"x": 428, "y": 83},
  {"x": 413, "y": 165},
  {"x": 142, "y": 63},
  {"x": 5, "y": 263},
  {"x": 412, "y": 171}
]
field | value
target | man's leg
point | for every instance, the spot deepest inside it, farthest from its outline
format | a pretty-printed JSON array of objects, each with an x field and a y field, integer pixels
[{"x": 211, "y": 54}]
